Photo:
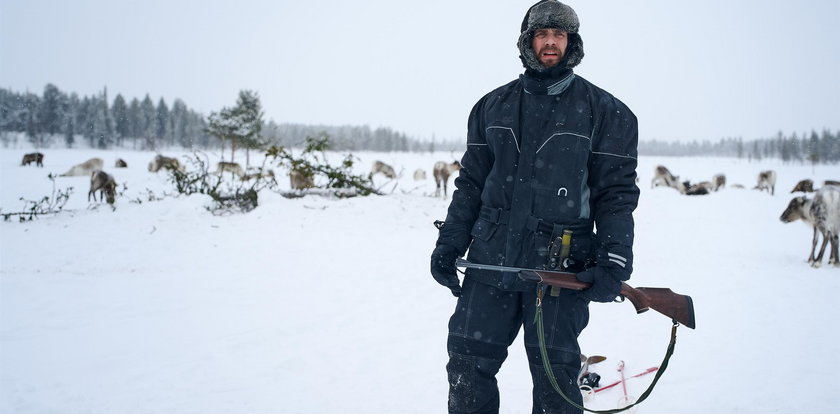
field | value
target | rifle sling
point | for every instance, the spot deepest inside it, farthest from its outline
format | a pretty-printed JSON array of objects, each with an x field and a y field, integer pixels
[{"x": 538, "y": 320}]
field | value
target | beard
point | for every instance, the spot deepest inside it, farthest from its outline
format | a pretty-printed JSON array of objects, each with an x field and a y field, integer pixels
[{"x": 549, "y": 60}]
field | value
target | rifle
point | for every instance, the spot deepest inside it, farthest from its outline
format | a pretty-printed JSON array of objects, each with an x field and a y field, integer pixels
[{"x": 679, "y": 308}]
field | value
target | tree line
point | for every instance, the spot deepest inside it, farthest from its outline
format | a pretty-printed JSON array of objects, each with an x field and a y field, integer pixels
[
  {"x": 813, "y": 147},
  {"x": 57, "y": 118}
]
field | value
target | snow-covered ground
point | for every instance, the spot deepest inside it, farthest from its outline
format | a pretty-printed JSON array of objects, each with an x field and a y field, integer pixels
[{"x": 317, "y": 305}]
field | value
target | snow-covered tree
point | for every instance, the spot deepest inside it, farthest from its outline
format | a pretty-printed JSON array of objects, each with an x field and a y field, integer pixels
[
  {"x": 52, "y": 110},
  {"x": 162, "y": 123},
  {"x": 241, "y": 124},
  {"x": 147, "y": 120},
  {"x": 119, "y": 111}
]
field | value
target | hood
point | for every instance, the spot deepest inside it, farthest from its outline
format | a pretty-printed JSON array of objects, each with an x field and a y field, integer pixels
[{"x": 555, "y": 15}]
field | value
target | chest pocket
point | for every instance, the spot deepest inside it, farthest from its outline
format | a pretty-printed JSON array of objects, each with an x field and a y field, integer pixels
[{"x": 559, "y": 177}]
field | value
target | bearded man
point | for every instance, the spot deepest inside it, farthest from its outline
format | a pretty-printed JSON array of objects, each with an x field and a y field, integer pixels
[{"x": 547, "y": 153}]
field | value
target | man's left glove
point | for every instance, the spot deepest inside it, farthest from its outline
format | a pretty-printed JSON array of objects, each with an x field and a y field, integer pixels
[
  {"x": 443, "y": 268},
  {"x": 606, "y": 283}
]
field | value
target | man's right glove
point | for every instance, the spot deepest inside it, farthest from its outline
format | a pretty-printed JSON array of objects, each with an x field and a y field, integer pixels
[
  {"x": 606, "y": 283},
  {"x": 443, "y": 268}
]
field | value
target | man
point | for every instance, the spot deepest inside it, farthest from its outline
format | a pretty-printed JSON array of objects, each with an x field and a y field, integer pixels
[{"x": 547, "y": 152}]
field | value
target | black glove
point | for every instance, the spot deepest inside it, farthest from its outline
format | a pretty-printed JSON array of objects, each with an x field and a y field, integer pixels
[
  {"x": 606, "y": 283},
  {"x": 443, "y": 268}
]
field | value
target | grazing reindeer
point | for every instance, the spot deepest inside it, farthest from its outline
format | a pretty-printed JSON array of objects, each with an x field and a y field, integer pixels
[
  {"x": 823, "y": 214},
  {"x": 120, "y": 163},
  {"x": 381, "y": 167},
  {"x": 105, "y": 184},
  {"x": 85, "y": 168},
  {"x": 258, "y": 173},
  {"x": 171, "y": 164},
  {"x": 419, "y": 174},
  {"x": 701, "y": 188},
  {"x": 301, "y": 180},
  {"x": 441, "y": 171},
  {"x": 663, "y": 176},
  {"x": 805, "y": 186},
  {"x": 35, "y": 157},
  {"x": 718, "y": 182},
  {"x": 766, "y": 181},
  {"x": 232, "y": 167},
  {"x": 705, "y": 187}
]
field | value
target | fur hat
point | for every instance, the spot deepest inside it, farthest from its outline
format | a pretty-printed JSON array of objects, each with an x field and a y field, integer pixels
[{"x": 555, "y": 15}]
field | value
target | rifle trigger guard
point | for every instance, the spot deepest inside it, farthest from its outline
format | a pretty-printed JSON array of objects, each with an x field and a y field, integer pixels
[{"x": 619, "y": 299}]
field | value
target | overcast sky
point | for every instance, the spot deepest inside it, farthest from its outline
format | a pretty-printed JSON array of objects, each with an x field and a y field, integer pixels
[{"x": 708, "y": 70}]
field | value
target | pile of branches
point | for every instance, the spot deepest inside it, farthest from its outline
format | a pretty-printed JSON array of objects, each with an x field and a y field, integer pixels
[
  {"x": 51, "y": 204},
  {"x": 313, "y": 166},
  {"x": 229, "y": 195}
]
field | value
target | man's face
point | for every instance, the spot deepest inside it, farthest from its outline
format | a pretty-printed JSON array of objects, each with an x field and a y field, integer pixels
[{"x": 550, "y": 45}]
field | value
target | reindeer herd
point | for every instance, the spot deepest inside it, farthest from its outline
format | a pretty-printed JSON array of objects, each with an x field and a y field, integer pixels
[
  {"x": 822, "y": 212},
  {"x": 441, "y": 171},
  {"x": 104, "y": 184}
]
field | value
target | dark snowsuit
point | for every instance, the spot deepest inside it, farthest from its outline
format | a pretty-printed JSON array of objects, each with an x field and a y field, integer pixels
[{"x": 542, "y": 156}]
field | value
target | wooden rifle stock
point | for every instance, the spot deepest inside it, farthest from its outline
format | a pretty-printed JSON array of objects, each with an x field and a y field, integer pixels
[{"x": 663, "y": 300}]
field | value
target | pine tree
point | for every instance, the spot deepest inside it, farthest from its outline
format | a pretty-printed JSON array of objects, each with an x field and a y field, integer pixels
[
  {"x": 102, "y": 121},
  {"x": 833, "y": 145},
  {"x": 52, "y": 110},
  {"x": 135, "y": 121},
  {"x": 69, "y": 132},
  {"x": 70, "y": 109},
  {"x": 147, "y": 122},
  {"x": 162, "y": 122},
  {"x": 119, "y": 111},
  {"x": 33, "y": 131},
  {"x": 814, "y": 149},
  {"x": 249, "y": 114},
  {"x": 240, "y": 124},
  {"x": 180, "y": 124}
]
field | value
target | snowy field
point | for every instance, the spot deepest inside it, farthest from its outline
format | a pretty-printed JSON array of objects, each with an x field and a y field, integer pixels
[{"x": 317, "y": 305}]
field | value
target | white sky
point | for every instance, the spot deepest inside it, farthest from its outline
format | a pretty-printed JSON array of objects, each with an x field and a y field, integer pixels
[{"x": 688, "y": 70}]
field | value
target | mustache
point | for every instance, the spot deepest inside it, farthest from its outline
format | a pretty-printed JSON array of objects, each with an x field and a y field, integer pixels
[{"x": 549, "y": 49}]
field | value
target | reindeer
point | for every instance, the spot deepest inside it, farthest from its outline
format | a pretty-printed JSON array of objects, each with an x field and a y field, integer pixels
[
  {"x": 419, "y": 174},
  {"x": 258, "y": 173},
  {"x": 120, "y": 163},
  {"x": 823, "y": 214},
  {"x": 705, "y": 187},
  {"x": 232, "y": 167},
  {"x": 301, "y": 180},
  {"x": 805, "y": 186},
  {"x": 663, "y": 176},
  {"x": 381, "y": 167},
  {"x": 35, "y": 157},
  {"x": 766, "y": 181},
  {"x": 718, "y": 181},
  {"x": 105, "y": 184},
  {"x": 441, "y": 171},
  {"x": 701, "y": 188},
  {"x": 85, "y": 168},
  {"x": 171, "y": 164},
  {"x": 826, "y": 213}
]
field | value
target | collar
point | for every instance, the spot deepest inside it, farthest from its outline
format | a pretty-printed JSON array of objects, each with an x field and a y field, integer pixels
[{"x": 552, "y": 83}]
